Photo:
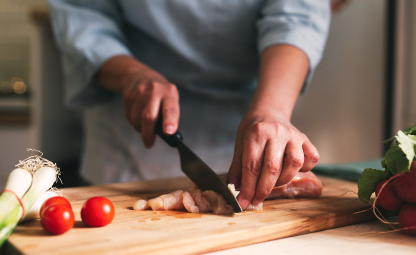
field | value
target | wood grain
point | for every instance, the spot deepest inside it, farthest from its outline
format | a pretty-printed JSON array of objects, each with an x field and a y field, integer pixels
[{"x": 160, "y": 232}]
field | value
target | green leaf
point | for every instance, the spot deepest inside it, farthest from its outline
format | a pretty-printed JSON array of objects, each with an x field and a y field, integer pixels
[
  {"x": 407, "y": 144},
  {"x": 368, "y": 182},
  {"x": 389, "y": 141},
  {"x": 408, "y": 131},
  {"x": 396, "y": 160},
  {"x": 383, "y": 164}
]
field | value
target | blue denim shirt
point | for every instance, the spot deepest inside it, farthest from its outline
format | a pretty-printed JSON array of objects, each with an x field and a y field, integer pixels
[{"x": 207, "y": 47}]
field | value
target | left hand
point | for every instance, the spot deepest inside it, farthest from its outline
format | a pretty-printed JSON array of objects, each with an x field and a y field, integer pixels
[{"x": 269, "y": 151}]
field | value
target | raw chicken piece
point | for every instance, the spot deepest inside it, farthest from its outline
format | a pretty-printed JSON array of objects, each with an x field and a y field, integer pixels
[
  {"x": 302, "y": 185},
  {"x": 202, "y": 202},
  {"x": 218, "y": 205},
  {"x": 251, "y": 207},
  {"x": 171, "y": 201},
  {"x": 141, "y": 205},
  {"x": 156, "y": 204},
  {"x": 178, "y": 196},
  {"x": 189, "y": 203}
]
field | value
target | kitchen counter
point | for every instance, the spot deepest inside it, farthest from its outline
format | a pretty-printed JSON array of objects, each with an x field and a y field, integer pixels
[
  {"x": 177, "y": 232},
  {"x": 371, "y": 237}
]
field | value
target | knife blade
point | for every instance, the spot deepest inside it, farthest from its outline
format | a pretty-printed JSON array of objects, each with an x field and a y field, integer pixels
[{"x": 196, "y": 169}]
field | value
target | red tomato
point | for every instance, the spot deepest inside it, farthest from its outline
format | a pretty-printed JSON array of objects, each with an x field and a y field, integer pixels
[
  {"x": 57, "y": 219},
  {"x": 54, "y": 201},
  {"x": 97, "y": 212}
]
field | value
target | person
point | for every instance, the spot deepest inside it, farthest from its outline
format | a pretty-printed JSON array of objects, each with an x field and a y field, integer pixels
[{"x": 232, "y": 70}]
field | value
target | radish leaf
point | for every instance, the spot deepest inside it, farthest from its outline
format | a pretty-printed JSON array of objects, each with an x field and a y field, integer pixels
[{"x": 368, "y": 182}]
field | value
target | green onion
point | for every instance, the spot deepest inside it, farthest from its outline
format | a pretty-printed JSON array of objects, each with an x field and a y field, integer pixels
[{"x": 28, "y": 183}]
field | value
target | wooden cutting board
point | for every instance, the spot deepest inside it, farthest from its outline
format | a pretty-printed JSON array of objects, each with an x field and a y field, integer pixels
[{"x": 160, "y": 232}]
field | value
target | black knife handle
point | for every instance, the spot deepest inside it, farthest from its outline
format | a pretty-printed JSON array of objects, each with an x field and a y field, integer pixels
[{"x": 169, "y": 139}]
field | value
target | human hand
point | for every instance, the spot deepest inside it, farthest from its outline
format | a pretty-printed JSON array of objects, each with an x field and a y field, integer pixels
[
  {"x": 269, "y": 151},
  {"x": 146, "y": 94}
]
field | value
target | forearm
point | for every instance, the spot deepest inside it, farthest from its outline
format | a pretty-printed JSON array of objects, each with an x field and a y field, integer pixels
[{"x": 283, "y": 69}]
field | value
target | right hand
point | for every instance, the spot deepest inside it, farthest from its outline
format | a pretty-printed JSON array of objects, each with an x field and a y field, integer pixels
[{"x": 146, "y": 94}]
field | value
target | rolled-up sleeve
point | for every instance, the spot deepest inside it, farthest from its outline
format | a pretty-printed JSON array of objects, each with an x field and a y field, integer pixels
[
  {"x": 88, "y": 33},
  {"x": 301, "y": 23}
]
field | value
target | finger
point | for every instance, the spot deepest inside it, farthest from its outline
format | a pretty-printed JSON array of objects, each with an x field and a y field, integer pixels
[
  {"x": 311, "y": 156},
  {"x": 135, "y": 110},
  {"x": 149, "y": 117},
  {"x": 133, "y": 106},
  {"x": 272, "y": 167},
  {"x": 252, "y": 160},
  {"x": 234, "y": 173},
  {"x": 293, "y": 161},
  {"x": 171, "y": 112}
]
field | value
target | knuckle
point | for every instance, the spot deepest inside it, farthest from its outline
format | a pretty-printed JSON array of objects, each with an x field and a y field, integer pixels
[
  {"x": 273, "y": 166},
  {"x": 137, "y": 91},
  {"x": 170, "y": 110},
  {"x": 172, "y": 89},
  {"x": 296, "y": 161},
  {"x": 147, "y": 118},
  {"x": 256, "y": 128},
  {"x": 153, "y": 85},
  {"x": 279, "y": 128},
  {"x": 315, "y": 158},
  {"x": 262, "y": 192},
  {"x": 253, "y": 168}
]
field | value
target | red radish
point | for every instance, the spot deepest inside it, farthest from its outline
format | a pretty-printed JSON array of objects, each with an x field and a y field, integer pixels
[
  {"x": 388, "y": 199},
  {"x": 407, "y": 218},
  {"x": 405, "y": 185}
]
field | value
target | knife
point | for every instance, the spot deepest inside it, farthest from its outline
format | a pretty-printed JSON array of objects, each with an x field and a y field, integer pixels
[{"x": 196, "y": 169}]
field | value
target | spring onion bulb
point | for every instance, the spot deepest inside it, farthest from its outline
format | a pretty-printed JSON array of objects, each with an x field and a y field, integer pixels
[
  {"x": 34, "y": 211},
  {"x": 18, "y": 183},
  {"x": 43, "y": 179},
  {"x": 26, "y": 185}
]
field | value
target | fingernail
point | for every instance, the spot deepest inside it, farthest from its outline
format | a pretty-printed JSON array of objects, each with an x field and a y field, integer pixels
[
  {"x": 244, "y": 203},
  {"x": 169, "y": 129}
]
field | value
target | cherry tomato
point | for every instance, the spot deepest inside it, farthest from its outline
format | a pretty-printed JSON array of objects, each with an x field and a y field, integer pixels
[
  {"x": 54, "y": 201},
  {"x": 97, "y": 212},
  {"x": 57, "y": 219}
]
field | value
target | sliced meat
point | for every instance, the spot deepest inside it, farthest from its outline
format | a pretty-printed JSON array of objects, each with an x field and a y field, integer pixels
[
  {"x": 189, "y": 203},
  {"x": 171, "y": 201},
  {"x": 141, "y": 205},
  {"x": 251, "y": 207},
  {"x": 156, "y": 204},
  {"x": 178, "y": 196},
  {"x": 201, "y": 201},
  {"x": 302, "y": 185},
  {"x": 305, "y": 185},
  {"x": 217, "y": 203}
]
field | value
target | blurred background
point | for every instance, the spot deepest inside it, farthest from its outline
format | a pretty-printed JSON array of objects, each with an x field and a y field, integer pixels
[{"x": 360, "y": 94}]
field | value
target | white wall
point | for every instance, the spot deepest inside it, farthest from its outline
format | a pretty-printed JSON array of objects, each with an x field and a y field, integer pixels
[
  {"x": 14, "y": 140},
  {"x": 342, "y": 111}
]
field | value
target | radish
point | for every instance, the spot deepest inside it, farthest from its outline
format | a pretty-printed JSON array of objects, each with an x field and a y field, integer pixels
[
  {"x": 407, "y": 218},
  {"x": 405, "y": 185},
  {"x": 387, "y": 198}
]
